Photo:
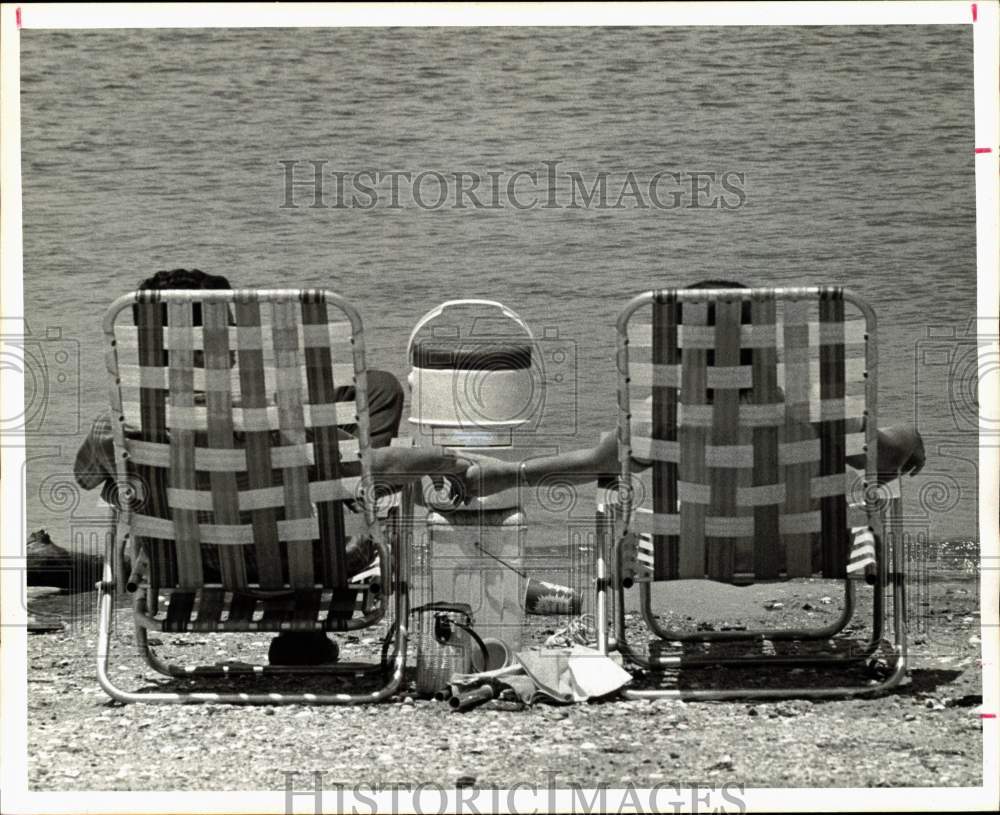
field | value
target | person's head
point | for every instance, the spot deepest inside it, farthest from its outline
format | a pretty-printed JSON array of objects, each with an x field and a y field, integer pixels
[
  {"x": 184, "y": 279},
  {"x": 724, "y": 284},
  {"x": 175, "y": 279},
  {"x": 717, "y": 284}
]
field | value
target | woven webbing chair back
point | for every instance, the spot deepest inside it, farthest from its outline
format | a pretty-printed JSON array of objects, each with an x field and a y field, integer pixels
[
  {"x": 233, "y": 439},
  {"x": 748, "y": 403}
]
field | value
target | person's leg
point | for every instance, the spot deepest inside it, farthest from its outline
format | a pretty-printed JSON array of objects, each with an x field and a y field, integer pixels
[{"x": 385, "y": 406}]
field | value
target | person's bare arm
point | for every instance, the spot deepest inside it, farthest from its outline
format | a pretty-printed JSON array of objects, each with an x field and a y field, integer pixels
[
  {"x": 900, "y": 452},
  {"x": 488, "y": 476},
  {"x": 401, "y": 465}
]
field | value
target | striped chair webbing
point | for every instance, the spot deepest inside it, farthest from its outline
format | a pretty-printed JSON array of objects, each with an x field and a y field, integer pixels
[
  {"x": 233, "y": 433},
  {"x": 218, "y": 610},
  {"x": 748, "y": 410},
  {"x": 861, "y": 554}
]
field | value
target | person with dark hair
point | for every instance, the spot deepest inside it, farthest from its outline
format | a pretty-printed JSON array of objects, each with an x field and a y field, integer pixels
[
  {"x": 900, "y": 447},
  {"x": 184, "y": 279},
  {"x": 95, "y": 463},
  {"x": 95, "y": 466}
]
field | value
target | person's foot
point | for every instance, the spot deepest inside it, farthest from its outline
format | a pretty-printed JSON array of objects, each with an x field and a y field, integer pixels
[{"x": 302, "y": 648}]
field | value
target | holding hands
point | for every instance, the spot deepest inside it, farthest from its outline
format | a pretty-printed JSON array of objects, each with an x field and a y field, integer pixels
[
  {"x": 900, "y": 452},
  {"x": 487, "y": 476}
]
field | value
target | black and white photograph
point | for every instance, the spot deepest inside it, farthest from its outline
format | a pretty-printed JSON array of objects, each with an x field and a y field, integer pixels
[{"x": 496, "y": 408}]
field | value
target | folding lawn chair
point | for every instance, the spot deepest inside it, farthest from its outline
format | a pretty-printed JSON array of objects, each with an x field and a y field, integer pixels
[
  {"x": 748, "y": 404},
  {"x": 234, "y": 475}
]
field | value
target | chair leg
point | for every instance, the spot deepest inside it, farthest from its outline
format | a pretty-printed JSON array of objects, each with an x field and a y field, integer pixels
[
  {"x": 246, "y": 669},
  {"x": 157, "y": 663},
  {"x": 894, "y": 511},
  {"x": 827, "y": 631},
  {"x": 856, "y": 654},
  {"x": 392, "y": 685},
  {"x": 893, "y": 576},
  {"x": 774, "y": 693},
  {"x": 892, "y": 520},
  {"x": 668, "y": 634},
  {"x": 662, "y": 662},
  {"x": 106, "y": 610},
  {"x": 620, "y": 643},
  {"x": 886, "y": 685},
  {"x": 607, "y": 610}
]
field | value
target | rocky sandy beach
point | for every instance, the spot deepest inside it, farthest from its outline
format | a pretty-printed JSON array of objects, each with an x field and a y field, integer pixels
[{"x": 926, "y": 733}]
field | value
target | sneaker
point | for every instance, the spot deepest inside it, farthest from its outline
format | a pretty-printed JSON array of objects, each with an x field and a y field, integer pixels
[
  {"x": 40, "y": 548},
  {"x": 302, "y": 648},
  {"x": 50, "y": 565}
]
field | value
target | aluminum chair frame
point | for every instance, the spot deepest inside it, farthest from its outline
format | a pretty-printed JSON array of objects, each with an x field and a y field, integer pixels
[
  {"x": 888, "y": 571},
  {"x": 393, "y": 559}
]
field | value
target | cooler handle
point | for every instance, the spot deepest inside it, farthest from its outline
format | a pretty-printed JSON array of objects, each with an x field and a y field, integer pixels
[{"x": 434, "y": 313}]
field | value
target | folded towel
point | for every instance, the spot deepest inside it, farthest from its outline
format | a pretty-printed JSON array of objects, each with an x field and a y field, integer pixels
[
  {"x": 562, "y": 675},
  {"x": 573, "y": 674}
]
